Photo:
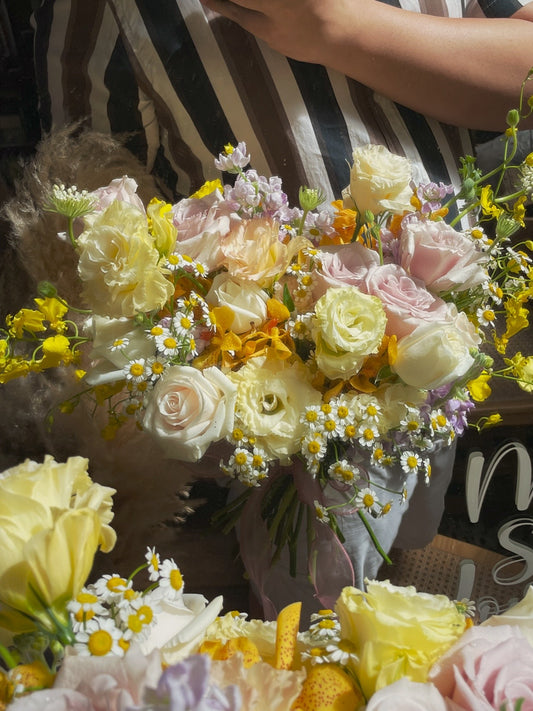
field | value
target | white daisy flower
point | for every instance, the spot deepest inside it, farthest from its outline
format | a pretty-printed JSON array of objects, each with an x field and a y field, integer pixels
[
  {"x": 367, "y": 434},
  {"x": 313, "y": 446},
  {"x": 326, "y": 628},
  {"x": 154, "y": 563},
  {"x": 410, "y": 462},
  {"x": 110, "y": 588},
  {"x": 486, "y": 316},
  {"x": 321, "y": 512},
  {"x": 183, "y": 323},
  {"x": 167, "y": 344},
  {"x": 367, "y": 498},
  {"x": 342, "y": 652},
  {"x": 314, "y": 655},
  {"x": 135, "y": 370},
  {"x": 343, "y": 471},
  {"x": 100, "y": 638},
  {"x": 84, "y": 607},
  {"x": 119, "y": 344},
  {"x": 170, "y": 580}
]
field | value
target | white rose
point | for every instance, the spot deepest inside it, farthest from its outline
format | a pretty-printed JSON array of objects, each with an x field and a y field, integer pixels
[
  {"x": 270, "y": 398},
  {"x": 379, "y": 180},
  {"x": 348, "y": 326},
  {"x": 244, "y": 298},
  {"x": 189, "y": 409},
  {"x": 434, "y": 354}
]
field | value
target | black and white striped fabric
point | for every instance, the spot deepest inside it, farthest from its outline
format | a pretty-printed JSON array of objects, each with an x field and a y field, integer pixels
[{"x": 183, "y": 82}]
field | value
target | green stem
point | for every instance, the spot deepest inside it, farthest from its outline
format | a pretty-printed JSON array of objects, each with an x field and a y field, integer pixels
[
  {"x": 70, "y": 231},
  {"x": 375, "y": 541},
  {"x": 7, "y": 657}
]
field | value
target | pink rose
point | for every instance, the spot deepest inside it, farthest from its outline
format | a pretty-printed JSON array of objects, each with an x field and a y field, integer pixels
[
  {"x": 406, "y": 301},
  {"x": 97, "y": 683},
  {"x": 344, "y": 265},
  {"x": 441, "y": 257},
  {"x": 200, "y": 228},
  {"x": 487, "y": 669},
  {"x": 407, "y": 695},
  {"x": 123, "y": 189}
]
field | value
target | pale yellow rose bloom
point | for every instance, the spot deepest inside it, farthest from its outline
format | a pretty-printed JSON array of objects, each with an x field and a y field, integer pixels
[
  {"x": 53, "y": 518},
  {"x": 348, "y": 326},
  {"x": 379, "y": 180},
  {"x": 396, "y": 631},
  {"x": 119, "y": 264}
]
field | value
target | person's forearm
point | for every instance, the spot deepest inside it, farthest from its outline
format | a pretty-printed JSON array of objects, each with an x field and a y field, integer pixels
[{"x": 466, "y": 72}]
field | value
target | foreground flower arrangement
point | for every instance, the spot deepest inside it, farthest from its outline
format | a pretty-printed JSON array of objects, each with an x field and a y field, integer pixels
[
  {"x": 70, "y": 644},
  {"x": 236, "y": 325}
]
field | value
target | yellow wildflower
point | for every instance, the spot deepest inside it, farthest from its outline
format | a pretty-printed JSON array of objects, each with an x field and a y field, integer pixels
[
  {"x": 25, "y": 320},
  {"x": 522, "y": 369},
  {"x": 490, "y": 209},
  {"x": 208, "y": 187},
  {"x": 479, "y": 388},
  {"x": 53, "y": 311}
]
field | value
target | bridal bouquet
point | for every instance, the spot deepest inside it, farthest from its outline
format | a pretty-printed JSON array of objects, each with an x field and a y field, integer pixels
[
  {"x": 235, "y": 326},
  {"x": 125, "y": 645}
]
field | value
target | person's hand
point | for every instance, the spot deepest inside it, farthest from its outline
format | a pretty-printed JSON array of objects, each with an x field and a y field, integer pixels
[{"x": 301, "y": 29}]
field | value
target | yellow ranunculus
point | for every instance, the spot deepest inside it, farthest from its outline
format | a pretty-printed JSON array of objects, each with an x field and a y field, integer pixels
[
  {"x": 396, "y": 631},
  {"x": 53, "y": 518}
]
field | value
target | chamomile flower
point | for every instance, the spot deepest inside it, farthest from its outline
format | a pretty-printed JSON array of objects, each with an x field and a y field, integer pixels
[
  {"x": 135, "y": 370},
  {"x": 119, "y": 344},
  {"x": 410, "y": 462},
  {"x": 372, "y": 411},
  {"x": 167, "y": 344},
  {"x": 84, "y": 607},
  {"x": 314, "y": 655},
  {"x": 137, "y": 617},
  {"x": 341, "y": 652},
  {"x": 312, "y": 416},
  {"x": 367, "y": 499},
  {"x": 326, "y": 628},
  {"x": 110, "y": 588},
  {"x": 321, "y": 512},
  {"x": 367, "y": 434},
  {"x": 313, "y": 446},
  {"x": 343, "y": 471},
  {"x": 183, "y": 323},
  {"x": 154, "y": 563},
  {"x": 99, "y": 638},
  {"x": 466, "y": 607},
  {"x": 412, "y": 422},
  {"x": 170, "y": 580},
  {"x": 486, "y": 316},
  {"x": 439, "y": 421},
  {"x": 155, "y": 367}
]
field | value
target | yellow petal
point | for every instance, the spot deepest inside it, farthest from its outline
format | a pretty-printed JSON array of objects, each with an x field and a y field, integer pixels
[
  {"x": 277, "y": 310},
  {"x": 286, "y": 633},
  {"x": 327, "y": 688},
  {"x": 242, "y": 645}
]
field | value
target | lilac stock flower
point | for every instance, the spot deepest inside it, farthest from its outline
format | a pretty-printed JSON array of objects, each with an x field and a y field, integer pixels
[
  {"x": 431, "y": 195},
  {"x": 185, "y": 686},
  {"x": 235, "y": 161},
  {"x": 457, "y": 411}
]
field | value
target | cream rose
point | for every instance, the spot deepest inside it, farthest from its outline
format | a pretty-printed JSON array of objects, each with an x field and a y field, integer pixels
[
  {"x": 379, "y": 181},
  {"x": 244, "y": 298},
  {"x": 253, "y": 251},
  {"x": 396, "y": 631},
  {"x": 441, "y": 257},
  {"x": 435, "y": 354},
  {"x": 189, "y": 409},
  {"x": 53, "y": 519},
  {"x": 270, "y": 397},
  {"x": 347, "y": 327},
  {"x": 118, "y": 264}
]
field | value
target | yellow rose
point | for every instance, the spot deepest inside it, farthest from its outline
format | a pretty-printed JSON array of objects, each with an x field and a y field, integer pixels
[
  {"x": 348, "y": 326},
  {"x": 379, "y": 180},
  {"x": 396, "y": 631},
  {"x": 270, "y": 397},
  {"x": 119, "y": 263},
  {"x": 53, "y": 518},
  {"x": 163, "y": 229}
]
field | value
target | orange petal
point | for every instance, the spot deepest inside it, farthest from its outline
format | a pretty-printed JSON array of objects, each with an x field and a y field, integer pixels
[
  {"x": 286, "y": 633},
  {"x": 327, "y": 688}
]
